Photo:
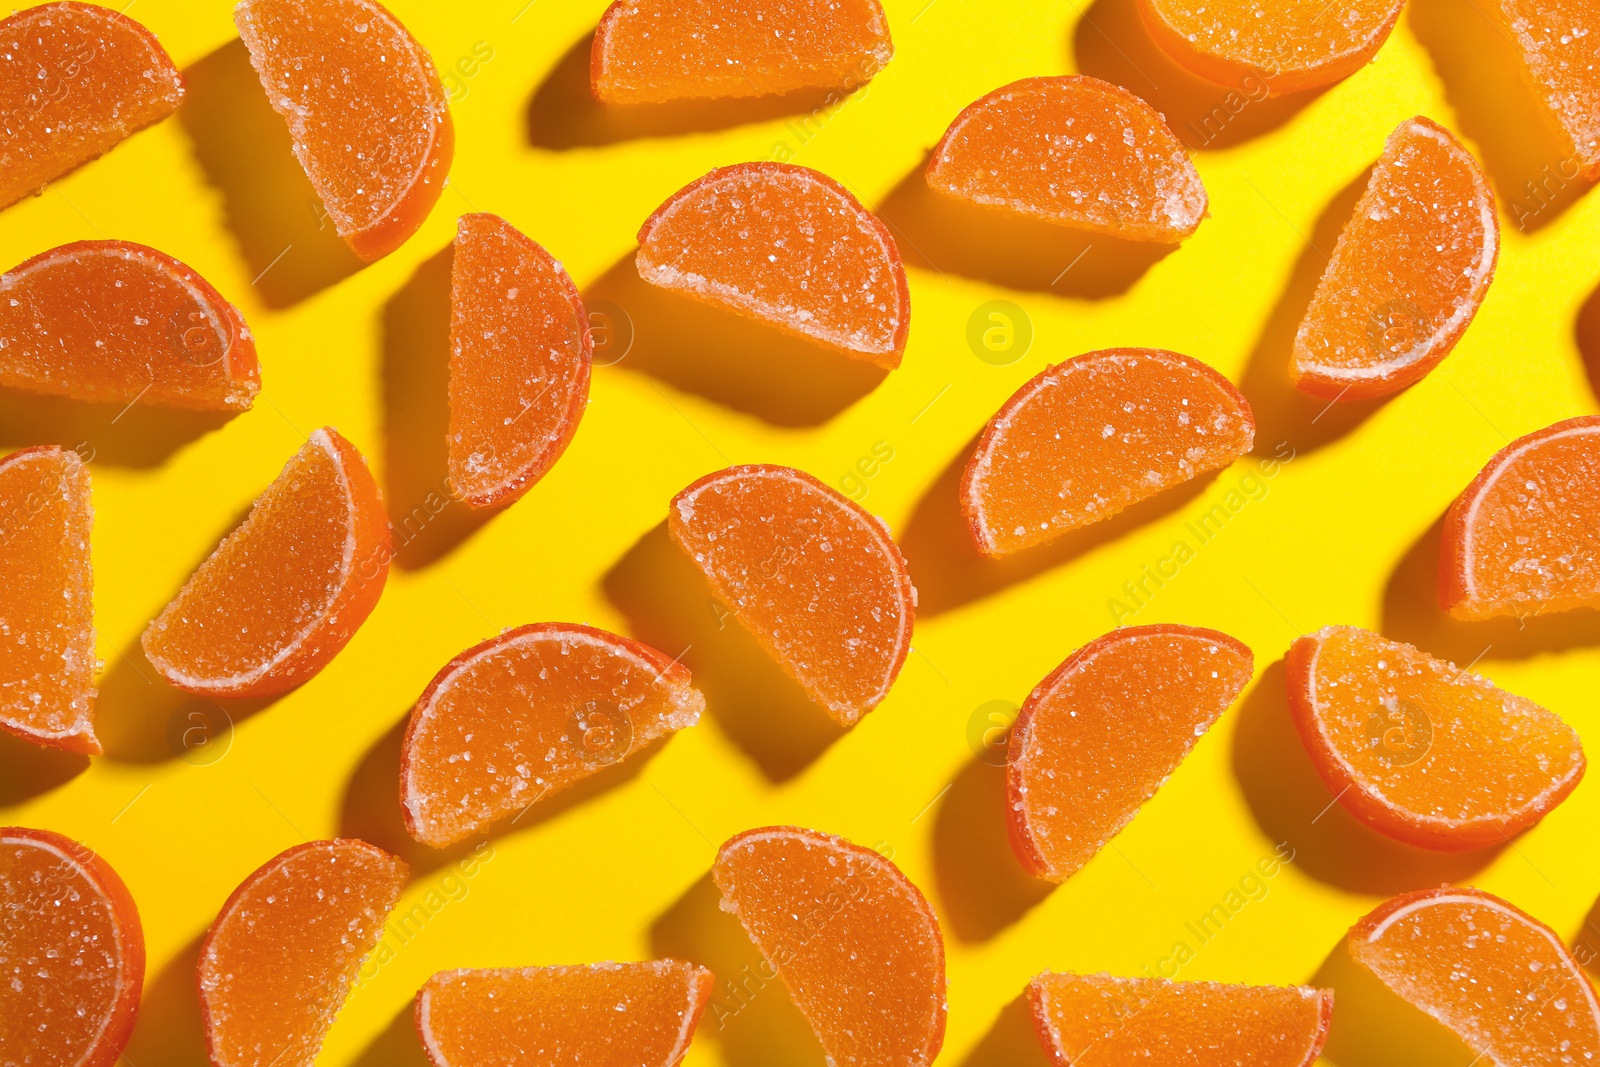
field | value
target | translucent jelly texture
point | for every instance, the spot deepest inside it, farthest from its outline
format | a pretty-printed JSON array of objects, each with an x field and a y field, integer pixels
[
  {"x": 787, "y": 246},
  {"x": 814, "y": 577},
  {"x": 1085, "y": 439},
  {"x": 116, "y": 322},
  {"x": 855, "y": 943},
  {"x": 1408, "y": 273},
  {"x": 74, "y": 80},
  {"x": 1557, "y": 41},
  {"x": 1073, "y": 151},
  {"x": 1421, "y": 750}
]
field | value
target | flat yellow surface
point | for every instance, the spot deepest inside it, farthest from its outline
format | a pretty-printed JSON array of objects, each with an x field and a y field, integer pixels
[{"x": 1337, "y": 534}]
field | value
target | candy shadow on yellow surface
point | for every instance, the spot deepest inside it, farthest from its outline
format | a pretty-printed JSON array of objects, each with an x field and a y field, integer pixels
[
  {"x": 1587, "y": 331},
  {"x": 1374, "y": 1027},
  {"x": 398, "y": 1045},
  {"x": 170, "y": 1031},
  {"x": 142, "y": 719},
  {"x": 28, "y": 770},
  {"x": 982, "y": 887},
  {"x": 1586, "y": 943},
  {"x": 1013, "y": 1040},
  {"x": 117, "y": 435}
]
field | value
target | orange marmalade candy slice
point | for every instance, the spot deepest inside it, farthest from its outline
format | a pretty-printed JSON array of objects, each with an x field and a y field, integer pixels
[
  {"x": 365, "y": 109},
  {"x": 71, "y": 956},
  {"x": 1087, "y": 438},
  {"x": 74, "y": 80},
  {"x": 520, "y": 349},
  {"x": 116, "y": 322},
  {"x": 1101, "y": 734},
  {"x": 1555, "y": 40},
  {"x": 1423, "y": 751},
  {"x": 281, "y": 956},
  {"x": 835, "y": 920},
  {"x": 815, "y": 578},
  {"x": 1408, "y": 272},
  {"x": 1500, "y": 980},
  {"x": 1073, "y": 151},
  {"x": 653, "y": 51},
  {"x": 787, "y": 246},
  {"x": 283, "y": 593},
  {"x": 598, "y": 1015}
]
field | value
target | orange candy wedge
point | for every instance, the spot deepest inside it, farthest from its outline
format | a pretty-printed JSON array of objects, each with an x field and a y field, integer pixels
[
  {"x": 1423, "y": 751},
  {"x": 599, "y": 1015},
  {"x": 281, "y": 956},
  {"x": 285, "y": 591},
  {"x": 1105, "y": 730},
  {"x": 855, "y": 943},
  {"x": 1087, "y": 438},
  {"x": 1408, "y": 273},
  {"x": 116, "y": 322},
  {"x": 1073, "y": 151},
  {"x": 1555, "y": 39},
  {"x": 71, "y": 955},
  {"x": 787, "y": 246},
  {"x": 365, "y": 109},
  {"x": 815, "y": 578}
]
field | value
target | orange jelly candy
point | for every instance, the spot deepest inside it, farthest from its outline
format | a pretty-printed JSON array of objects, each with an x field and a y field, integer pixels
[
  {"x": 116, "y": 322},
  {"x": 365, "y": 109},
  {"x": 74, "y": 80},
  {"x": 1089, "y": 437},
  {"x": 1524, "y": 538},
  {"x": 1105, "y": 730},
  {"x": 1073, "y": 151},
  {"x": 520, "y": 349},
  {"x": 283, "y": 593},
  {"x": 654, "y": 51},
  {"x": 816, "y": 578},
  {"x": 1555, "y": 39},
  {"x": 599, "y": 1015},
  {"x": 47, "y": 660},
  {"x": 787, "y": 246},
  {"x": 855, "y": 943},
  {"x": 71, "y": 956},
  {"x": 1421, "y": 750},
  {"x": 282, "y": 955}
]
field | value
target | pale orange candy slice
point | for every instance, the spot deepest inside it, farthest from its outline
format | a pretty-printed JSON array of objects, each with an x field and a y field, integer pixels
[
  {"x": 1556, "y": 39},
  {"x": 1408, "y": 273},
  {"x": 1085, "y": 439},
  {"x": 285, "y": 591},
  {"x": 815, "y": 578},
  {"x": 365, "y": 108},
  {"x": 855, "y": 943},
  {"x": 787, "y": 246},
  {"x": 1072, "y": 151},
  {"x": 279, "y": 960}
]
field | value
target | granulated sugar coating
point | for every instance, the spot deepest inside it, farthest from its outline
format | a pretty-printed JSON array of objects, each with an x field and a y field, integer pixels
[
  {"x": 1524, "y": 538},
  {"x": 1087, "y": 438},
  {"x": 653, "y": 51},
  {"x": 814, "y": 577},
  {"x": 528, "y": 713},
  {"x": 74, "y": 80},
  {"x": 283, "y": 593},
  {"x": 71, "y": 954},
  {"x": 1073, "y": 151},
  {"x": 1408, "y": 273},
  {"x": 598, "y": 1015},
  {"x": 280, "y": 958},
  {"x": 1421, "y": 750},
  {"x": 1500, "y": 979},
  {"x": 1105, "y": 730},
  {"x": 116, "y": 322},
  {"x": 787, "y": 246},
  {"x": 1558, "y": 39},
  {"x": 365, "y": 109},
  {"x": 855, "y": 943}
]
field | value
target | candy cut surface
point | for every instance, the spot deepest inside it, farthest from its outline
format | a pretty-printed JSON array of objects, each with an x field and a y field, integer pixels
[
  {"x": 72, "y": 957},
  {"x": 1073, "y": 151},
  {"x": 74, "y": 80},
  {"x": 1085, "y": 439},
  {"x": 787, "y": 246},
  {"x": 116, "y": 322},
  {"x": 814, "y": 577},
  {"x": 365, "y": 108},
  {"x": 1556, "y": 42},
  {"x": 835, "y": 920},
  {"x": 1421, "y": 750},
  {"x": 285, "y": 591},
  {"x": 1408, "y": 273}
]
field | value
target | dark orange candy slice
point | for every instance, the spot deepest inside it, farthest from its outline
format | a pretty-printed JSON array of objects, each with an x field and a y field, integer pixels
[{"x": 1555, "y": 39}]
